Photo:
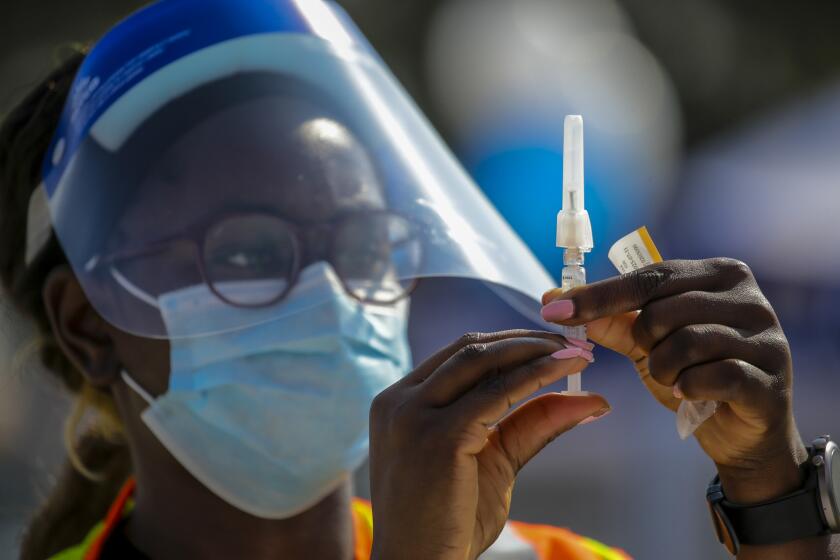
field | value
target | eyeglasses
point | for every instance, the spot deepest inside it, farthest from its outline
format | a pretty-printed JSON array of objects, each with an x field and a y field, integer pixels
[{"x": 254, "y": 259}]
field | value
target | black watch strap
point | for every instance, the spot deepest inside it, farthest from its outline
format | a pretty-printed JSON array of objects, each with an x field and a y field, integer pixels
[{"x": 791, "y": 517}]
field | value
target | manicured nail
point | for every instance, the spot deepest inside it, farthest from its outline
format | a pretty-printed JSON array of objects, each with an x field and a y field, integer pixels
[
  {"x": 600, "y": 414},
  {"x": 580, "y": 343},
  {"x": 585, "y": 354},
  {"x": 567, "y": 353},
  {"x": 558, "y": 310},
  {"x": 677, "y": 393}
]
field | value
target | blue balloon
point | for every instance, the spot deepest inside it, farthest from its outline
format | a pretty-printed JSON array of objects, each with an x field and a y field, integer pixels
[{"x": 526, "y": 186}]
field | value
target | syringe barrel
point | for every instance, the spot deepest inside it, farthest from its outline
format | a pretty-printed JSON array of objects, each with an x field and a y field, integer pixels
[{"x": 573, "y": 275}]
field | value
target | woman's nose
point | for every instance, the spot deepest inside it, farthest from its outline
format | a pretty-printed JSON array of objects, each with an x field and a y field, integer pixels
[{"x": 315, "y": 244}]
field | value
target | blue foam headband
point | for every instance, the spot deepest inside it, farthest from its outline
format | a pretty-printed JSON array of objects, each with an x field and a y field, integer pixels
[{"x": 165, "y": 32}]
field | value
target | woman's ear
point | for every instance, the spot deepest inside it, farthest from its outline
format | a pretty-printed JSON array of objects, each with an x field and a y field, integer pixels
[{"x": 81, "y": 333}]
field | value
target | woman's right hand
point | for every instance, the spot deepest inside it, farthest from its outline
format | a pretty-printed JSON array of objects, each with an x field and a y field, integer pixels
[{"x": 445, "y": 447}]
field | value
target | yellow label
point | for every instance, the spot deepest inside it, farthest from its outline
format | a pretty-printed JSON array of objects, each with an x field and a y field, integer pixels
[{"x": 634, "y": 251}]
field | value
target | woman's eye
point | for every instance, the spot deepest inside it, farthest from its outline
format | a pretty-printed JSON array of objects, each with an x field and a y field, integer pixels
[
  {"x": 237, "y": 259},
  {"x": 251, "y": 257},
  {"x": 369, "y": 263},
  {"x": 241, "y": 259}
]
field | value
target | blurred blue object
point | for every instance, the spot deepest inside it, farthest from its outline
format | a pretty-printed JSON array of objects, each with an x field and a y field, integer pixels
[
  {"x": 505, "y": 74},
  {"x": 525, "y": 185}
]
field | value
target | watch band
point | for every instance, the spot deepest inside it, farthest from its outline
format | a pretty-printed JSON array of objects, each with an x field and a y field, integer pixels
[
  {"x": 790, "y": 517},
  {"x": 810, "y": 511}
]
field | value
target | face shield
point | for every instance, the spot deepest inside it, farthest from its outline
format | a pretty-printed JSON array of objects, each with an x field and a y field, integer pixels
[{"x": 235, "y": 149}]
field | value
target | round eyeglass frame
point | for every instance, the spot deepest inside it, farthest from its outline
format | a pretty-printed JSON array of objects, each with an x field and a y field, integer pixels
[{"x": 198, "y": 239}]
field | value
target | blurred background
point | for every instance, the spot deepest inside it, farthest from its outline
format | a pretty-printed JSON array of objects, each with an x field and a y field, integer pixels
[{"x": 714, "y": 123}]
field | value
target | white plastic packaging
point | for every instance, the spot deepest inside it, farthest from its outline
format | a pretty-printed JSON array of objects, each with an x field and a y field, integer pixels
[{"x": 636, "y": 250}]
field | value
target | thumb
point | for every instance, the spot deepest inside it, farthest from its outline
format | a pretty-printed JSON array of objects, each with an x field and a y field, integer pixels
[
  {"x": 616, "y": 333},
  {"x": 535, "y": 424}
]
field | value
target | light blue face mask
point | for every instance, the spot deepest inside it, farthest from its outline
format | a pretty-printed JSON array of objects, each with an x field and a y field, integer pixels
[{"x": 274, "y": 417}]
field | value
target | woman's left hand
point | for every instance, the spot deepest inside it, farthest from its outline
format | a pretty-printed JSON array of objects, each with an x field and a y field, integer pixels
[{"x": 702, "y": 330}]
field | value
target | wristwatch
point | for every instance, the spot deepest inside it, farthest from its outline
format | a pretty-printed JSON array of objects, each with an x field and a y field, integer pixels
[{"x": 811, "y": 511}]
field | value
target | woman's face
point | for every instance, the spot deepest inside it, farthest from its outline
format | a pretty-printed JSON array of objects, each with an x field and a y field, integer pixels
[{"x": 273, "y": 155}]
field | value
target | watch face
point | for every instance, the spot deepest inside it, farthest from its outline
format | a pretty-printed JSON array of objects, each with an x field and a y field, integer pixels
[
  {"x": 724, "y": 531},
  {"x": 830, "y": 487},
  {"x": 833, "y": 460}
]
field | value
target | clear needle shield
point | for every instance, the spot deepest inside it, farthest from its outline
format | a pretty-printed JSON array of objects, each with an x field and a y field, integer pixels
[{"x": 573, "y": 163}]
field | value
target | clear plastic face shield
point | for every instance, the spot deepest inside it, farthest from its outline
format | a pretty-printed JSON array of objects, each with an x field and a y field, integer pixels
[{"x": 232, "y": 151}]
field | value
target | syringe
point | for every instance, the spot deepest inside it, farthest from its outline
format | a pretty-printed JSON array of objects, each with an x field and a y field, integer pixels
[{"x": 574, "y": 232}]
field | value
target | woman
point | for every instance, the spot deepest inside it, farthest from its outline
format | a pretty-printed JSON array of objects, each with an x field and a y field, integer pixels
[{"x": 237, "y": 221}]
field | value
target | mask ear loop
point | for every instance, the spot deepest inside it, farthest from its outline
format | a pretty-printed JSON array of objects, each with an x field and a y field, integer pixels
[{"x": 136, "y": 387}]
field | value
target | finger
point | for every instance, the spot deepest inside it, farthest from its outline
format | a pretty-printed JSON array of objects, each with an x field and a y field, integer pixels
[
  {"x": 633, "y": 290},
  {"x": 697, "y": 344},
  {"x": 659, "y": 318},
  {"x": 731, "y": 381},
  {"x": 616, "y": 333},
  {"x": 497, "y": 392},
  {"x": 424, "y": 370},
  {"x": 535, "y": 424},
  {"x": 466, "y": 367},
  {"x": 552, "y": 294}
]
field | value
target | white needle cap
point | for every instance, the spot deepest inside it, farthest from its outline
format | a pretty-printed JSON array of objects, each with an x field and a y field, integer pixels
[{"x": 573, "y": 226}]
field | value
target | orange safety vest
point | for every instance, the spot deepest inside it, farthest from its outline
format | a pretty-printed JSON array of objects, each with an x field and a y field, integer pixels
[{"x": 518, "y": 541}]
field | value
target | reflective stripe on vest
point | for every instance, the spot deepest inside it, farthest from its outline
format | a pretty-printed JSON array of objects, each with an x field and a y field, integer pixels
[{"x": 517, "y": 541}]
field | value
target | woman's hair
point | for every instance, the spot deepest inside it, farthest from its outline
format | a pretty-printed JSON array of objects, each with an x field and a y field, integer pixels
[{"x": 99, "y": 462}]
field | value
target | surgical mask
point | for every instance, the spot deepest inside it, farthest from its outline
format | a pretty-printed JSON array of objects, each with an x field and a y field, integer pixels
[{"x": 274, "y": 417}]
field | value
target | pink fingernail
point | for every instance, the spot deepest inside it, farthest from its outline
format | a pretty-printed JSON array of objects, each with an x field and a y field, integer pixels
[
  {"x": 599, "y": 414},
  {"x": 585, "y": 354},
  {"x": 567, "y": 353},
  {"x": 558, "y": 310},
  {"x": 581, "y": 343},
  {"x": 677, "y": 393}
]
